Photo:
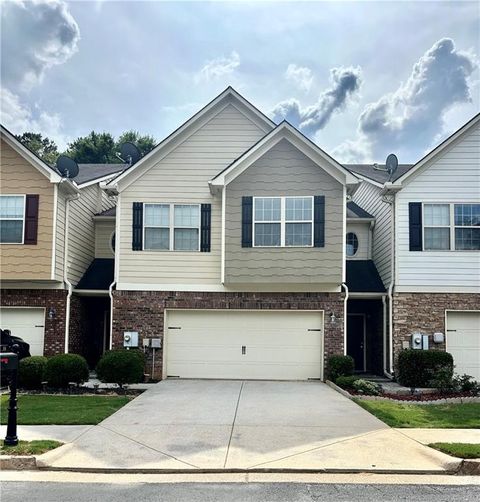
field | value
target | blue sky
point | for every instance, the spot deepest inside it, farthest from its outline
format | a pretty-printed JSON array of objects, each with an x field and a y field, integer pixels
[{"x": 361, "y": 79}]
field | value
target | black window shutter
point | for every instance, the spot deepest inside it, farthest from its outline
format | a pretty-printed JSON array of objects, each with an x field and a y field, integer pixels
[
  {"x": 137, "y": 226},
  {"x": 247, "y": 221},
  {"x": 205, "y": 232},
  {"x": 415, "y": 226},
  {"x": 31, "y": 219},
  {"x": 319, "y": 221}
]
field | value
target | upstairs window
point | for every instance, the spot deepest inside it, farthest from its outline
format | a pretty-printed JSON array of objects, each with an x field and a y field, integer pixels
[
  {"x": 12, "y": 219},
  {"x": 352, "y": 244},
  {"x": 451, "y": 227},
  {"x": 172, "y": 227},
  {"x": 283, "y": 221}
]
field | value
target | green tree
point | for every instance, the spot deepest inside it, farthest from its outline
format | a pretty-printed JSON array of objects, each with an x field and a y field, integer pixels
[
  {"x": 143, "y": 143},
  {"x": 43, "y": 147},
  {"x": 95, "y": 148}
]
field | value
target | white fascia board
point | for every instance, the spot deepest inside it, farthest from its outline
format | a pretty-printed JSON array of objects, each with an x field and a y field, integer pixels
[
  {"x": 36, "y": 162},
  {"x": 288, "y": 132},
  {"x": 99, "y": 180},
  {"x": 360, "y": 220},
  {"x": 437, "y": 150},
  {"x": 227, "y": 97},
  {"x": 369, "y": 180}
]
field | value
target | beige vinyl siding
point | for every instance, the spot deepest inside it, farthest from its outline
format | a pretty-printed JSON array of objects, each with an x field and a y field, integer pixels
[
  {"x": 81, "y": 235},
  {"x": 362, "y": 231},
  {"x": 103, "y": 238},
  {"x": 182, "y": 177},
  {"x": 19, "y": 177},
  {"x": 60, "y": 235},
  {"x": 368, "y": 197},
  {"x": 453, "y": 176},
  {"x": 284, "y": 171}
]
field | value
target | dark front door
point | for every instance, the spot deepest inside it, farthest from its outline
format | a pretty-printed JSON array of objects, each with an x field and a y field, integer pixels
[{"x": 356, "y": 339}]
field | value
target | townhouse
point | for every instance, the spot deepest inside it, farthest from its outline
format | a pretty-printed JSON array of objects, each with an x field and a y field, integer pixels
[{"x": 238, "y": 248}]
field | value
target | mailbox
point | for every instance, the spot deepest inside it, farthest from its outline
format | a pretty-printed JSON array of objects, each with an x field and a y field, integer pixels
[{"x": 9, "y": 361}]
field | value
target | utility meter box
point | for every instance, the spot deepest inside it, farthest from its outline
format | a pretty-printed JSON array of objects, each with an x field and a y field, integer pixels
[
  {"x": 130, "y": 338},
  {"x": 438, "y": 338},
  {"x": 156, "y": 343},
  {"x": 416, "y": 341},
  {"x": 425, "y": 342}
]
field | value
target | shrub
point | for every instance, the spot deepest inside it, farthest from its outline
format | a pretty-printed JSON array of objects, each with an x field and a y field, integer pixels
[
  {"x": 65, "y": 368},
  {"x": 121, "y": 367},
  {"x": 346, "y": 382},
  {"x": 339, "y": 365},
  {"x": 31, "y": 372},
  {"x": 443, "y": 380},
  {"x": 417, "y": 368},
  {"x": 466, "y": 383},
  {"x": 367, "y": 388}
]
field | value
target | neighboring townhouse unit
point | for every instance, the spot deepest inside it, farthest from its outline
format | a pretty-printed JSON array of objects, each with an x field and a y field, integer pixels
[
  {"x": 230, "y": 246},
  {"x": 430, "y": 258},
  {"x": 47, "y": 241}
]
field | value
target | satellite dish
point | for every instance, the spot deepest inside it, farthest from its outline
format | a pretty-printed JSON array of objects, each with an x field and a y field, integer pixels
[
  {"x": 130, "y": 153},
  {"x": 67, "y": 167},
  {"x": 391, "y": 164}
]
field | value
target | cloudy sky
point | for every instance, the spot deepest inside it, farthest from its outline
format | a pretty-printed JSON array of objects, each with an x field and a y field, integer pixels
[{"x": 361, "y": 79}]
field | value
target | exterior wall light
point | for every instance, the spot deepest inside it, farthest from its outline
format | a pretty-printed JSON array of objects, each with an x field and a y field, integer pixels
[
  {"x": 52, "y": 313},
  {"x": 332, "y": 317}
]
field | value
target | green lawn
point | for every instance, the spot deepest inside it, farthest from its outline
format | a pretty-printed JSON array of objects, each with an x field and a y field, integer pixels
[
  {"x": 63, "y": 410},
  {"x": 461, "y": 450},
  {"x": 442, "y": 416},
  {"x": 36, "y": 447}
]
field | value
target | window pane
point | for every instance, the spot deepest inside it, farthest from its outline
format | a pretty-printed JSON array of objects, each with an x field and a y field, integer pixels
[
  {"x": 467, "y": 215},
  {"x": 11, "y": 231},
  {"x": 351, "y": 243},
  {"x": 437, "y": 238},
  {"x": 267, "y": 234},
  {"x": 298, "y": 234},
  {"x": 298, "y": 208},
  {"x": 11, "y": 206},
  {"x": 467, "y": 238},
  {"x": 437, "y": 215},
  {"x": 186, "y": 239},
  {"x": 186, "y": 215},
  {"x": 157, "y": 215},
  {"x": 157, "y": 238},
  {"x": 267, "y": 209}
]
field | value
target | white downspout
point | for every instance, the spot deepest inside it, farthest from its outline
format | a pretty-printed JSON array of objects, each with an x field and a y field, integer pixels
[
  {"x": 65, "y": 269},
  {"x": 389, "y": 372},
  {"x": 110, "y": 294},
  {"x": 345, "y": 287}
]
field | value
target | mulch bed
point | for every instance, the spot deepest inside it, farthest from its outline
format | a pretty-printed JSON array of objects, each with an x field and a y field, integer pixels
[
  {"x": 415, "y": 397},
  {"x": 81, "y": 391}
]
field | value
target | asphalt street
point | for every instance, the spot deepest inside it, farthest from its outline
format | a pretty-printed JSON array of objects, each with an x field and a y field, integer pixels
[{"x": 13, "y": 491}]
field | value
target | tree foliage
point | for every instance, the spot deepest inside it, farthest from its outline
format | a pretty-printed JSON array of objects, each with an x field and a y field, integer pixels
[
  {"x": 44, "y": 147},
  {"x": 95, "y": 148},
  {"x": 143, "y": 143}
]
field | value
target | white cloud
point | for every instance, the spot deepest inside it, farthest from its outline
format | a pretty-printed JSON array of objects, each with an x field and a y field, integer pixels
[
  {"x": 19, "y": 118},
  {"x": 310, "y": 119},
  {"x": 36, "y": 35},
  {"x": 218, "y": 67},
  {"x": 412, "y": 116},
  {"x": 300, "y": 75}
]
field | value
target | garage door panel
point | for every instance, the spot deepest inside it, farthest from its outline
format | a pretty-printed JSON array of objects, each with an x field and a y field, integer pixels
[
  {"x": 278, "y": 345},
  {"x": 26, "y": 323},
  {"x": 463, "y": 341}
]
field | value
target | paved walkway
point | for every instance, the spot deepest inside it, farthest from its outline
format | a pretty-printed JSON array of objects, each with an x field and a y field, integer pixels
[
  {"x": 427, "y": 436},
  {"x": 189, "y": 425},
  {"x": 62, "y": 433}
]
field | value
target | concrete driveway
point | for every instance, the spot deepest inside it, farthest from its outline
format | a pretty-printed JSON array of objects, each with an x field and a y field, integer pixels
[{"x": 198, "y": 424}]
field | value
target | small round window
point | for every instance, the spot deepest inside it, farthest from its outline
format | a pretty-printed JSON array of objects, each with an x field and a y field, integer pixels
[
  {"x": 352, "y": 244},
  {"x": 112, "y": 242}
]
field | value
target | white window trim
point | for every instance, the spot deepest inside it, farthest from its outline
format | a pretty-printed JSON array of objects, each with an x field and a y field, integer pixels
[
  {"x": 171, "y": 227},
  {"x": 16, "y": 219},
  {"x": 283, "y": 221},
  {"x": 358, "y": 244},
  {"x": 451, "y": 226}
]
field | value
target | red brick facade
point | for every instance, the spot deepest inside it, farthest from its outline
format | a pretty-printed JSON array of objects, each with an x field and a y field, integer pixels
[
  {"x": 46, "y": 298},
  {"x": 425, "y": 313},
  {"x": 142, "y": 311}
]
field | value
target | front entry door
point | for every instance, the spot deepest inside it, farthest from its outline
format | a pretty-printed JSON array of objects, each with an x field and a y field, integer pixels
[{"x": 356, "y": 339}]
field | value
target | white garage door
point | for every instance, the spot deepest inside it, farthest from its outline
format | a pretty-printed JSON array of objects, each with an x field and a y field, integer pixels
[
  {"x": 27, "y": 323},
  {"x": 284, "y": 345},
  {"x": 463, "y": 342}
]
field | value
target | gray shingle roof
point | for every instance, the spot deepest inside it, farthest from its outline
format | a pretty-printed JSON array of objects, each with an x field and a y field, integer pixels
[
  {"x": 368, "y": 171},
  {"x": 363, "y": 277},
  {"x": 90, "y": 172},
  {"x": 109, "y": 212},
  {"x": 355, "y": 211}
]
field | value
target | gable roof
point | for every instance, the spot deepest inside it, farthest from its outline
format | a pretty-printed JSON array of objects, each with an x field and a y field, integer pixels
[
  {"x": 438, "y": 150},
  {"x": 354, "y": 211},
  {"x": 228, "y": 96},
  {"x": 284, "y": 131},
  {"x": 93, "y": 172},
  {"x": 379, "y": 176}
]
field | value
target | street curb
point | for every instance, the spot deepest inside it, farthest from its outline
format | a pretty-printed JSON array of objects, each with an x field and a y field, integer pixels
[
  {"x": 17, "y": 463},
  {"x": 469, "y": 467}
]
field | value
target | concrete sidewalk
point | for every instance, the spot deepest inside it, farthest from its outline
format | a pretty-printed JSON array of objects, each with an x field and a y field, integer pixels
[
  {"x": 62, "y": 433},
  {"x": 428, "y": 436},
  {"x": 187, "y": 425}
]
